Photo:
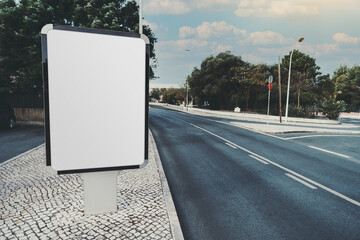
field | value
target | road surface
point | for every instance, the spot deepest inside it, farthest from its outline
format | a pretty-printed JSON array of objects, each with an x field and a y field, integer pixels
[
  {"x": 19, "y": 140},
  {"x": 233, "y": 183}
]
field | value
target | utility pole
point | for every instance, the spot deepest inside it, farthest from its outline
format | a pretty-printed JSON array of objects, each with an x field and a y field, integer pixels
[
  {"x": 187, "y": 88},
  {"x": 140, "y": 18},
  {"x": 279, "y": 90}
]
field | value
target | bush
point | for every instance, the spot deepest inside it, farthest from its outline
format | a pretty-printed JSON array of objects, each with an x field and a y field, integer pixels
[
  {"x": 332, "y": 108},
  {"x": 306, "y": 111}
]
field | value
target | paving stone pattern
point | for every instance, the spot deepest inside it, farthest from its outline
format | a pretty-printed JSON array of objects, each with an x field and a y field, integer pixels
[{"x": 37, "y": 205}]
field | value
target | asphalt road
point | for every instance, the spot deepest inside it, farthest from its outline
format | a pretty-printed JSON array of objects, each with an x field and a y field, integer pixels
[
  {"x": 19, "y": 140},
  {"x": 232, "y": 183}
]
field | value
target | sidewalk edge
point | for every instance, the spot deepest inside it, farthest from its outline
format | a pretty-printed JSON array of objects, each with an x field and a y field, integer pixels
[
  {"x": 173, "y": 217},
  {"x": 20, "y": 155}
]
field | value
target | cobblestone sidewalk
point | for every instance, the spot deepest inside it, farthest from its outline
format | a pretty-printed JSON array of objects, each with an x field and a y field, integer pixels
[{"x": 37, "y": 205}]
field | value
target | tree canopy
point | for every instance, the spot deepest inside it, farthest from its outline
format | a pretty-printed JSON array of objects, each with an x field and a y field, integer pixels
[
  {"x": 226, "y": 82},
  {"x": 212, "y": 81},
  {"x": 345, "y": 80},
  {"x": 21, "y": 23},
  {"x": 303, "y": 71}
]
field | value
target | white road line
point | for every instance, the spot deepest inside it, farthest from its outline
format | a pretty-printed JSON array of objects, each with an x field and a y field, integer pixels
[
  {"x": 327, "y": 151},
  {"x": 282, "y": 167},
  {"x": 301, "y": 181},
  {"x": 232, "y": 124},
  {"x": 230, "y": 145},
  {"x": 309, "y": 136},
  {"x": 256, "y": 158}
]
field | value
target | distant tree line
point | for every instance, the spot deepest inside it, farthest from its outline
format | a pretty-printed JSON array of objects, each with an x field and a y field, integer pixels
[
  {"x": 226, "y": 81},
  {"x": 168, "y": 95},
  {"x": 21, "y": 23}
]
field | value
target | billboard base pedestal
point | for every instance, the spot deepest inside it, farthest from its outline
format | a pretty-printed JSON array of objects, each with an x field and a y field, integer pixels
[{"x": 100, "y": 192}]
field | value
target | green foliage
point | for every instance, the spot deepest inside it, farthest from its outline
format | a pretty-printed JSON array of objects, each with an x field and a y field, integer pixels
[
  {"x": 344, "y": 79},
  {"x": 212, "y": 81},
  {"x": 331, "y": 108},
  {"x": 171, "y": 95},
  {"x": 155, "y": 94},
  {"x": 303, "y": 72},
  {"x": 225, "y": 81},
  {"x": 21, "y": 23},
  {"x": 249, "y": 78},
  {"x": 302, "y": 111}
]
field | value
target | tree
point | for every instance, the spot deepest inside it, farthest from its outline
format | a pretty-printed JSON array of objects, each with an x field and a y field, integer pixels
[
  {"x": 21, "y": 23},
  {"x": 331, "y": 108},
  {"x": 303, "y": 71},
  {"x": 172, "y": 95},
  {"x": 155, "y": 94},
  {"x": 248, "y": 78},
  {"x": 212, "y": 81},
  {"x": 345, "y": 78}
]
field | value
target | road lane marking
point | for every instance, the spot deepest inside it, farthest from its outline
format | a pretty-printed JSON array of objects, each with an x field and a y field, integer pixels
[
  {"x": 309, "y": 136},
  {"x": 256, "y": 158},
  {"x": 230, "y": 145},
  {"x": 300, "y": 181},
  {"x": 282, "y": 167},
  {"x": 327, "y": 151}
]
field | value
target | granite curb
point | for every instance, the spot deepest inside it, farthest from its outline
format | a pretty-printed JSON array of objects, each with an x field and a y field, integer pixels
[
  {"x": 266, "y": 125},
  {"x": 173, "y": 217}
]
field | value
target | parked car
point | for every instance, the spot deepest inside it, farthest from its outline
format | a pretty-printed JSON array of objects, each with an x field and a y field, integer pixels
[{"x": 7, "y": 116}]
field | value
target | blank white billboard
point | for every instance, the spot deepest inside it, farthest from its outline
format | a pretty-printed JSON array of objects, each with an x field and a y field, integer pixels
[{"x": 96, "y": 99}]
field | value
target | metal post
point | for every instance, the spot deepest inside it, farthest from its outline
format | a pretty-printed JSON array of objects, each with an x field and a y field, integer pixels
[
  {"x": 187, "y": 96},
  {"x": 140, "y": 17},
  {"x": 187, "y": 87},
  {"x": 268, "y": 110},
  {"x": 280, "y": 113},
  {"x": 288, "y": 89}
]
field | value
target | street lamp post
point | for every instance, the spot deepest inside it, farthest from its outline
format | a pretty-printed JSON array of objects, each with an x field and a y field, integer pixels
[
  {"x": 288, "y": 86},
  {"x": 140, "y": 18},
  {"x": 187, "y": 89}
]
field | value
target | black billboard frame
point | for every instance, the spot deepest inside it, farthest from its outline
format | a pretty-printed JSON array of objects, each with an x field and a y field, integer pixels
[{"x": 44, "y": 62}]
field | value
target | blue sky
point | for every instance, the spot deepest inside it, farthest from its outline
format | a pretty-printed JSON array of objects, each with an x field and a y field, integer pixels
[{"x": 259, "y": 31}]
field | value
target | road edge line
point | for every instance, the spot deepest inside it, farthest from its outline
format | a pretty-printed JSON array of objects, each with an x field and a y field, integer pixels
[
  {"x": 331, "y": 152},
  {"x": 22, "y": 154},
  {"x": 170, "y": 206},
  {"x": 301, "y": 181}
]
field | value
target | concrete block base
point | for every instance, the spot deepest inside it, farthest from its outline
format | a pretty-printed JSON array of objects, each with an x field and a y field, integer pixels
[{"x": 100, "y": 192}]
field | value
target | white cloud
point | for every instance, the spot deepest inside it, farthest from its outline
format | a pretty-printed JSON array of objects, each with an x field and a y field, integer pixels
[
  {"x": 215, "y": 4},
  {"x": 344, "y": 38},
  {"x": 252, "y": 58},
  {"x": 153, "y": 26},
  {"x": 223, "y": 48},
  {"x": 325, "y": 48},
  {"x": 278, "y": 8},
  {"x": 207, "y": 30},
  {"x": 266, "y": 38},
  {"x": 165, "y": 7},
  {"x": 246, "y": 8},
  {"x": 183, "y": 44},
  {"x": 186, "y": 31}
]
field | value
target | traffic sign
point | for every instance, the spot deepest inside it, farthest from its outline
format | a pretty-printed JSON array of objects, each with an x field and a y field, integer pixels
[
  {"x": 270, "y": 86},
  {"x": 270, "y": 79}
]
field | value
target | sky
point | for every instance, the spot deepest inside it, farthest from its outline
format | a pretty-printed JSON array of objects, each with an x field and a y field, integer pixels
[{"x": 257, "y": 30}]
